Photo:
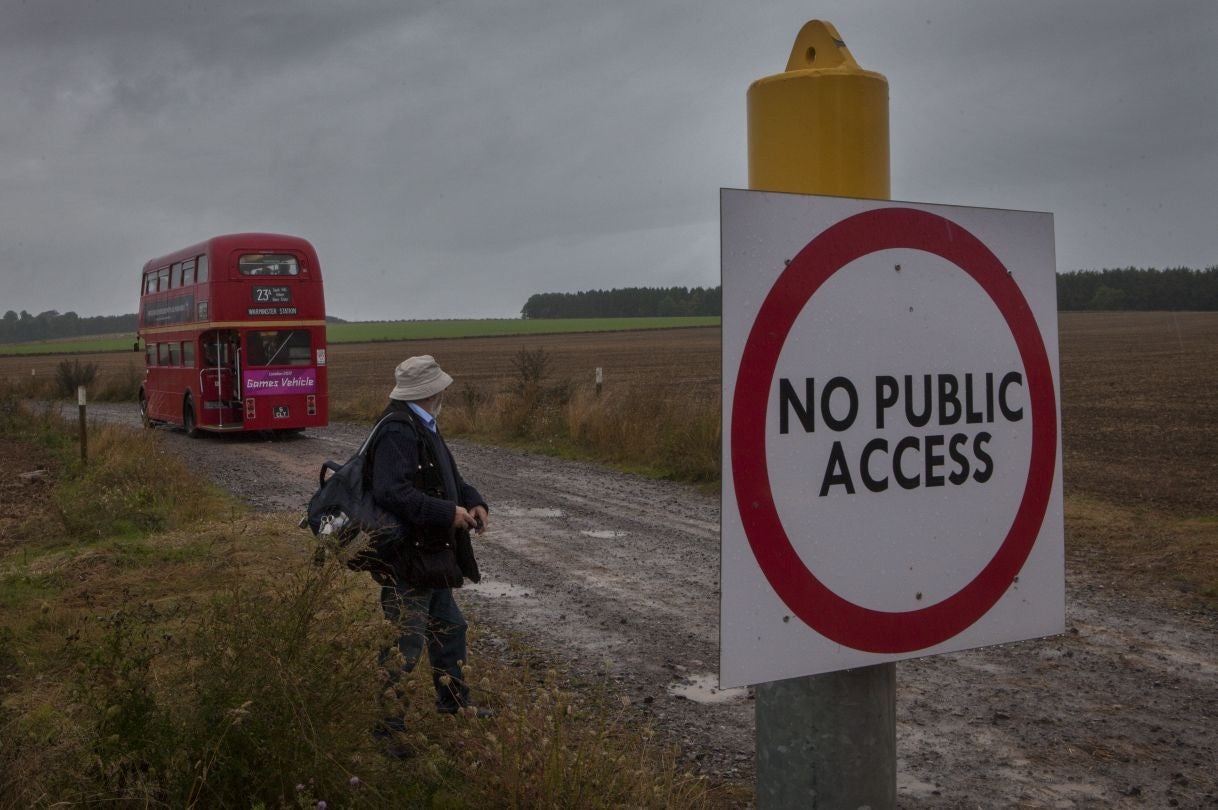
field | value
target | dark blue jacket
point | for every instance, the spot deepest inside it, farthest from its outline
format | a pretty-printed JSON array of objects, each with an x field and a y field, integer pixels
[{"x": 403, "y": 483}]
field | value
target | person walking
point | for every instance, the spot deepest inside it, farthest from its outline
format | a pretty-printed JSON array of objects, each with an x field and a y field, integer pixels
[{"x": 415, "y": 478}]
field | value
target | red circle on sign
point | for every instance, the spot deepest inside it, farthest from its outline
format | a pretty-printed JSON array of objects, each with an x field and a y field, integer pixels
[{"x": 810, "y": 599}]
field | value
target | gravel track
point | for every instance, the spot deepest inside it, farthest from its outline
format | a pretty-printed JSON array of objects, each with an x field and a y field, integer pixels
[{"x": 617, "y": 576}]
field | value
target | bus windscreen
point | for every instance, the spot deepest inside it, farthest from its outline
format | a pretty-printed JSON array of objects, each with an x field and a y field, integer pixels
[{"x": 282, "y": 347}]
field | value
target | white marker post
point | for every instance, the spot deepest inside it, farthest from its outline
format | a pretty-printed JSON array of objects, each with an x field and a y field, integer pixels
[{"x": 84, "y": 433}]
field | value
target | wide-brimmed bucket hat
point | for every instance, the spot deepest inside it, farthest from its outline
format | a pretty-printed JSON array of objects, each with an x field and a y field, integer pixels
[{"x": 419, "y": 378}]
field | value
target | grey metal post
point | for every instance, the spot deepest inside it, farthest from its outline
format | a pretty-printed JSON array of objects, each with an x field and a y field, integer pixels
[{"x": 828, "y": 741}]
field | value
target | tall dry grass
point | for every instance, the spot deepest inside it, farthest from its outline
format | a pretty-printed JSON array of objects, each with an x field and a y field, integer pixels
[
  {"x": 131, "y": 485},
  {"x": 678, "y": 437},
  {"x": 119, "y": 384},
  {"x": 632, "y": 428},
  {"x": 154, "y": 655},
  {"x": 671, "y": 435}
]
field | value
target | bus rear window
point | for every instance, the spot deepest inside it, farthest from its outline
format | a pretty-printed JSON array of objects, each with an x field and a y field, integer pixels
[
  {"x": 281, "y": 347},
  {"x": 268, "y": 264}
]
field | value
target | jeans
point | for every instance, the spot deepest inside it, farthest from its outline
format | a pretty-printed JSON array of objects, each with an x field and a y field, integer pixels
[{"x": 430, "y": 617}]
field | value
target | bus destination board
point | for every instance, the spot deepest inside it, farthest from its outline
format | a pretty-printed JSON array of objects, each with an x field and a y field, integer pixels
[{"x": 271, "y": 295}]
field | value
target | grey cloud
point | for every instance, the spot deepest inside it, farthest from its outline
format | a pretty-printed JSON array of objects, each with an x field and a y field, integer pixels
[{"x": 479, "y": 152}]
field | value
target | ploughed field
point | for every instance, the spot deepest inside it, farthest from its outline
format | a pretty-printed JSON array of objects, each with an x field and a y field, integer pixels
[
  {"x": 1139, "y": 402},
  {"x": 676, "y": 362},
  {"x": 1140, "y": 408},
  {"x": 616, "y": 576},
  {"x": 1139, "y": 391}
]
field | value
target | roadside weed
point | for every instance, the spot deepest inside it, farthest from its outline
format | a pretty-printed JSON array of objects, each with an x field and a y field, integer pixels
[{"x": 173, "y": 652}]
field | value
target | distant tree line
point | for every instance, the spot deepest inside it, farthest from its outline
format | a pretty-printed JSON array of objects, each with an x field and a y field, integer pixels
[
  {"x": 629, "y": 302},
  {"x": 1134, "y": 288},
  {"x": 1130, "y": 288},
  {"x": 16, "y": 327}
]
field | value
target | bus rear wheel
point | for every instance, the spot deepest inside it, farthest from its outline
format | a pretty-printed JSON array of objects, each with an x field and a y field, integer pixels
[{"x": 188, "y": 419}]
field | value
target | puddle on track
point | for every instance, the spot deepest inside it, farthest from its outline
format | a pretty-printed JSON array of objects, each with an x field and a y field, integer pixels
[
  {"x": 603, "y": 534},
  {"x": 705, "y": 689},
  {"x": 495, "y": 590},
  {"x": 540, "y": 512}
]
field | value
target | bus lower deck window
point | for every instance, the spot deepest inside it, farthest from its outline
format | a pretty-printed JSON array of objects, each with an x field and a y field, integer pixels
[{"x": 281, "y": 347}]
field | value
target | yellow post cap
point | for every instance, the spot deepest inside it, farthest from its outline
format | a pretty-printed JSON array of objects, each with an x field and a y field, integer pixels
[
  {"x": 819, "y": 46},
  {"x": 820, "y": 127}
]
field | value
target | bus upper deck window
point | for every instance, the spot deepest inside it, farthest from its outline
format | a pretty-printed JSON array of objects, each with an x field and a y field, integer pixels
[
  {"x": 268, "y": 264},
  {"x": 188, "y": 272},
  {"x": 175, "y": 275},
  {"x": 163, "y": 275},
  {"x": 201, "y": 269}
]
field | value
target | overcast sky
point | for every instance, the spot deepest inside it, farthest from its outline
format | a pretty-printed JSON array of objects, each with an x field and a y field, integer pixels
[{"x": 449, "y": 159}]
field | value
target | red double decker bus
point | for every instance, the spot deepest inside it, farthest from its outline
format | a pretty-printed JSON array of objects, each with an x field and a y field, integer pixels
[{"x": 234, "y": 333}]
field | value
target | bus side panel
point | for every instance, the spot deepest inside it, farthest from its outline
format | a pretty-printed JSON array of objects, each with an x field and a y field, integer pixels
[{"x": 166, "y": 389}]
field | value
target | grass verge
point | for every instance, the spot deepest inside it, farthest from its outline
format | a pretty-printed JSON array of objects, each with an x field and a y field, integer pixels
[
  {"x": 629, "y": 429},
  {"x": 633, "y": 427},
  {"x": 1144, "y": 548},
  {"x": 158, "y": 656}
]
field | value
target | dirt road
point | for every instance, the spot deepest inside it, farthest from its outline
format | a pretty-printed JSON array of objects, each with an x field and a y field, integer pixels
[{"x": 618, "y": 576}]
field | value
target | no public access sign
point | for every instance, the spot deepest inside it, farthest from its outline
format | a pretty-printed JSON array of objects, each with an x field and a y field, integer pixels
[{"x": 892, "y": 444}]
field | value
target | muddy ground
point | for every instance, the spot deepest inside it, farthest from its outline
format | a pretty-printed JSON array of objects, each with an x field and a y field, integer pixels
[{"x": 617, "y": 576}]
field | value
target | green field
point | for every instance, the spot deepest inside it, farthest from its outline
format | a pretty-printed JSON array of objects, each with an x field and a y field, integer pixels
[
  {"x": 376, "y": 331},
  {"x": 417, "y": 330},
  {"x": 84, "y": 345}
]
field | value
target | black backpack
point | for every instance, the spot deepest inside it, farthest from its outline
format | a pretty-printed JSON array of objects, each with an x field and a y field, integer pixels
[{"x": 344, "y": 516}]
